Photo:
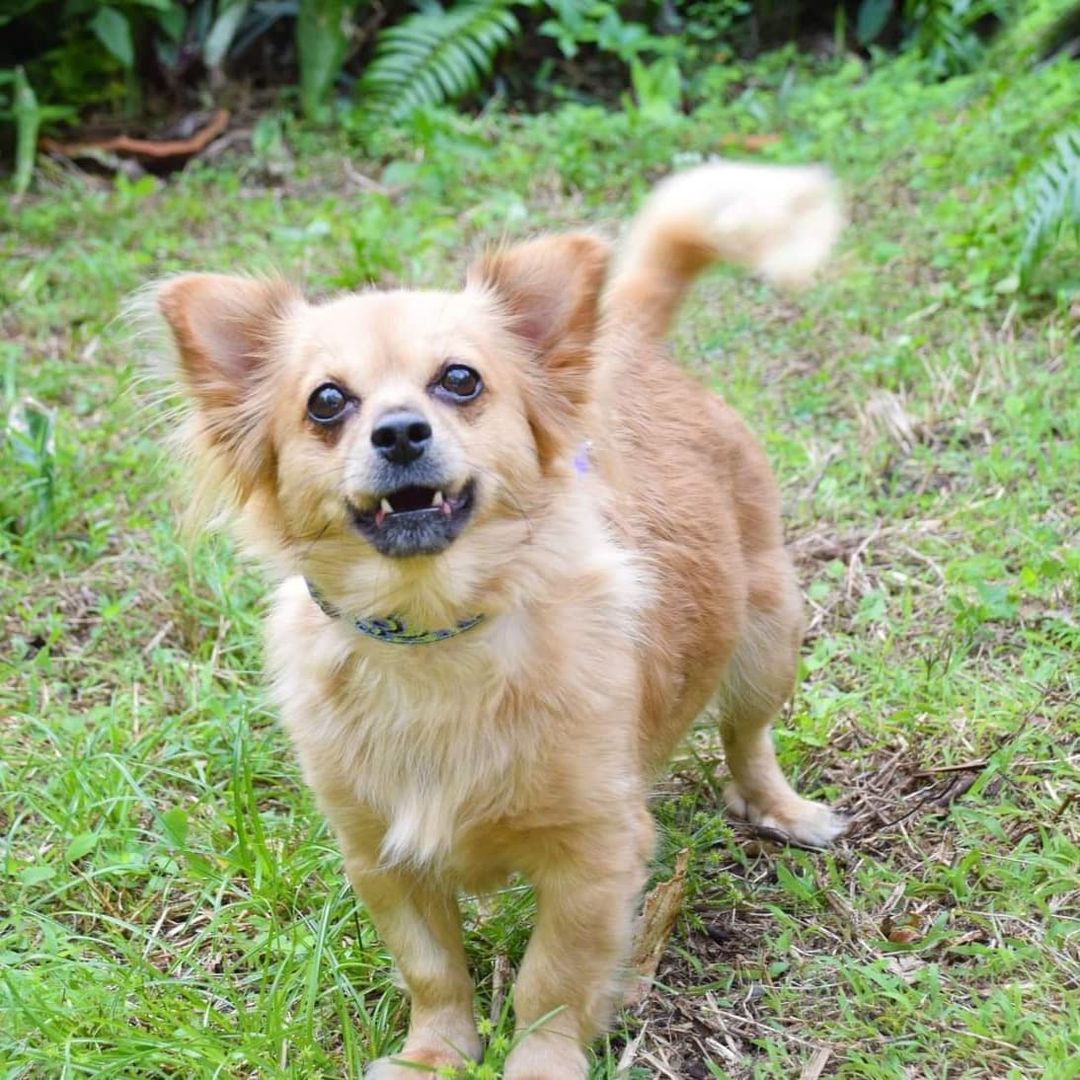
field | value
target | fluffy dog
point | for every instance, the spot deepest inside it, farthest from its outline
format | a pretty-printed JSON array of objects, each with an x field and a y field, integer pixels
[{"x": 518, "y": 553}]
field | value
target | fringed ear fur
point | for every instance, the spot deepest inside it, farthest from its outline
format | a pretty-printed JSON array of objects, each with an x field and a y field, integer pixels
[
  {"x": 225, "y": 329},
  {"x": 549, "y": 290}
]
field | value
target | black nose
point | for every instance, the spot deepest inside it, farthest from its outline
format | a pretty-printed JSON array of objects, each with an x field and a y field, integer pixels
[{"x": 401, "y": 437}]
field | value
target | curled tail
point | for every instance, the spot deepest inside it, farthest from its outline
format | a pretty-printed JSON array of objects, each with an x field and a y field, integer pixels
[{"x": 780, "y": 221}]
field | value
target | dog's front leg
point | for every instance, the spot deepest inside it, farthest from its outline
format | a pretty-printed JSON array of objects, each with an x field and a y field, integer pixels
[
  {"x": 585, "y": 906},
  {"x": 419, "y": 922}
]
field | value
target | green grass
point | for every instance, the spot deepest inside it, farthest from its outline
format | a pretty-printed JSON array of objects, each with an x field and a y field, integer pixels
[{"x": 172, "y": 903}]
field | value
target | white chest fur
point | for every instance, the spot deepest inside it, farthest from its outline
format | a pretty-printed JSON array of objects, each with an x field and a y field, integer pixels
[
  {"x": 433, "y": 739},
  {"x": 427, "y": 737}
]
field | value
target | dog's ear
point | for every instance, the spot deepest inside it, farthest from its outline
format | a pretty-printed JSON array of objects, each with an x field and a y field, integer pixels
[
  {"x": 549, "y": 293},
  {"x": 549, "y": 290},
  {"x": 225, "y": 329}
]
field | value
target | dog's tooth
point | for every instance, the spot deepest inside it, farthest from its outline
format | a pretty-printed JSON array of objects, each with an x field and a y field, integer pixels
[
  {"x": 437, "y": 499},
  {"x": 385, "y": 506}
]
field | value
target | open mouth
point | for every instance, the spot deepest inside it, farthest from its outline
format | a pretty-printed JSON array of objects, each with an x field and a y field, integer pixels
[{"x": 414, "y": 520}]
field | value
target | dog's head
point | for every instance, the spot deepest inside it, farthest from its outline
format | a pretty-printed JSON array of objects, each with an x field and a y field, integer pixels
[{"x": 390, "y": 425}]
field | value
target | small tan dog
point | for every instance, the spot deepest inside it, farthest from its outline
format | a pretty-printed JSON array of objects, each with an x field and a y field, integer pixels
[{"x": 519, "y": 552}]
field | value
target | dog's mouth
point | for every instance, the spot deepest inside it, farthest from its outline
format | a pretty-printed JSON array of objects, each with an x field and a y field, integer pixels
[{"x": 414, "y": 520}]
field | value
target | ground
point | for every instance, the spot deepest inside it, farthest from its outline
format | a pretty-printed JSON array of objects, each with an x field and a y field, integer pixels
[{"x": 172, "y": 902}]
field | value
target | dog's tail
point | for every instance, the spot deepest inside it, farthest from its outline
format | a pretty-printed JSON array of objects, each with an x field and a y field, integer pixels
[{"x": 777, "y": 220}]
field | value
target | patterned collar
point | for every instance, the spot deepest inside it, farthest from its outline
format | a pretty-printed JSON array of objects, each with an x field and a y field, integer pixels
[{"x": 393, "y": 629}]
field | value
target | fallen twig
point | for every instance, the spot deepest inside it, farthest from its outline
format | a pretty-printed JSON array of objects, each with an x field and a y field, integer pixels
[
  {"x": 816, "y": 1065},
  {"x": 154, "y": 148},
  {"x": 963, "y": 766}
]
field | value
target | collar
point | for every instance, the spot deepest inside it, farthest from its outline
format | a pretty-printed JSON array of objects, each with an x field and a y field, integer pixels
[
  {"x": 396, "y": 630},
  {"x": 393, "y": 629}
]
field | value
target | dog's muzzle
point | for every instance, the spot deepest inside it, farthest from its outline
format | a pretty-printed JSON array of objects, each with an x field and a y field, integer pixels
[{"x": 416, "y": 519}]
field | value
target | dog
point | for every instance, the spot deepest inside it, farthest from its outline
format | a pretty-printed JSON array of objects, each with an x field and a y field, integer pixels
[{"x": 518, "y": 552}]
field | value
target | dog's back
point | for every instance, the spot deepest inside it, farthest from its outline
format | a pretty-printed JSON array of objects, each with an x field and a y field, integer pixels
[{"x": 695, "y": 495}]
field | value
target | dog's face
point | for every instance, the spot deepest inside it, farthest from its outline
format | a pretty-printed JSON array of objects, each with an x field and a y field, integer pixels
[
  {"x": 405, "y": 419},
  {"x": 390, "y": 425}
]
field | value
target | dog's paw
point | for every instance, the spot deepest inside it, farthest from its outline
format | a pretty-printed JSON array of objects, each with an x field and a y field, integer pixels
[
  {"x": 810, "y": 824},
  {"x": 541, "y": 1056},
  {"x": 389, "y": 1068},
  {"x": 395, "y": 1068},
  {"x": 413, "y": 1065}
]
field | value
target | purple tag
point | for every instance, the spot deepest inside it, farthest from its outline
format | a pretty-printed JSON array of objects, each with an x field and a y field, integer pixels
[{"x": 581, "y": 459}]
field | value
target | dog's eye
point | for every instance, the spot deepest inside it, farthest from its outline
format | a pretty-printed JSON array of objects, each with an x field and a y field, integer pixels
[
  {"x": 459, "y": 383},
  {"x": 328, "y": 404}
]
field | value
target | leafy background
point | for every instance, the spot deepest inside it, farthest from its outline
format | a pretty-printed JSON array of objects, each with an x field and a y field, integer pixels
[{"x": 170, "y": 901}]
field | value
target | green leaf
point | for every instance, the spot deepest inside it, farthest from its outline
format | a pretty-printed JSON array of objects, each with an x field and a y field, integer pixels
[
  {"x": 28, "y": 118},
  {"x": 81, "y": 845},
  {"x": 657, "y": 86},
  {"x": 797, "y": 885},
  {"x": 114, "y": 32},
  {"x": 434, "y": 56},
  {"x": 996, "y": 601},
  {"x": 173, "y": 22},
  {"x": 322, "y": 34},
  {"x": 1050, "y": 201},
  {"x": 37, "y": 873},
  {"x": 176, "y": 826},
  {"x": 222, "y": 32},
  {"x": 871, "y": 20}
]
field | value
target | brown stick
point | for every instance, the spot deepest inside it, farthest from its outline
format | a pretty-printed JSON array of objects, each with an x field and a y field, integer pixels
[
  {"x": 963, "y": 766},
  {"x": 749, "y": 142},
  {"x": 155, "y": 148}
]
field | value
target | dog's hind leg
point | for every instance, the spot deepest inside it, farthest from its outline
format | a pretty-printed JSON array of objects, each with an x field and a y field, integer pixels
[{"x": 760, "y": 678}]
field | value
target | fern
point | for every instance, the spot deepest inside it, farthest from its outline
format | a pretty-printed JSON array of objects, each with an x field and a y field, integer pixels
[
  {"x": 435, "y": 56},
  {"x": 944, "y": 31},
  {"x": 1050, "y": 201}
]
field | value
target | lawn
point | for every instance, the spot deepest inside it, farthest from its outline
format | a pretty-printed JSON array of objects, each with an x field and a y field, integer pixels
[{"x": 172, "y": 903}]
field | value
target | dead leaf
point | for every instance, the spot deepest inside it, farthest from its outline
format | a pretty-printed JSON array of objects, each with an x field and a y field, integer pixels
[
  {"x": 150, "y": 148},
  {"x": 501, "y": 976},
  {"x": 626, "y": 1058},
  {"x": 904, "y": 929},
  {"x": 658, "y": 914},
  {"x": 816, "y": 1065},
  {"x": 904, "y": 935},
  {"x": 905, "y": 966}
]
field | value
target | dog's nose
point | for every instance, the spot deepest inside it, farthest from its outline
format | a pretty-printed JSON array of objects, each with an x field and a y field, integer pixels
[{"x": 401, "y": 437}]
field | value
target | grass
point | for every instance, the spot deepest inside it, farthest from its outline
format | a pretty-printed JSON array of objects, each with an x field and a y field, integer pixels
[{"x": 172, "y": 903}]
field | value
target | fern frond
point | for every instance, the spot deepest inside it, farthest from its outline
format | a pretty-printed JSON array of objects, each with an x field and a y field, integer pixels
[
  {"x": 1050, "y": 201},
  {"x": 944, "y": 31},
  {"x": 435, "y": 56}
]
